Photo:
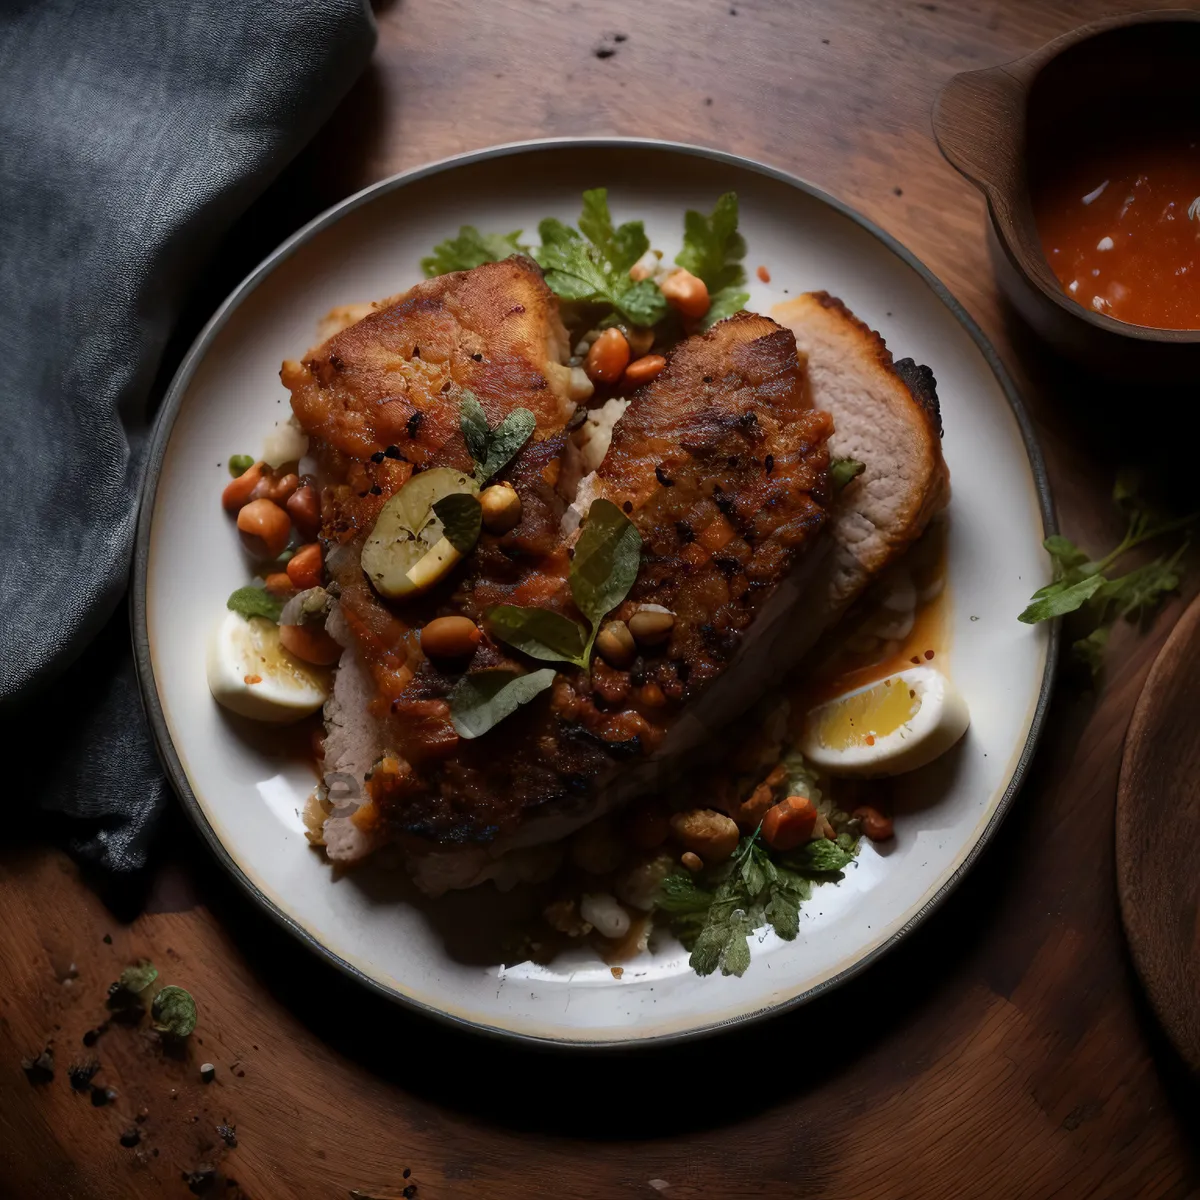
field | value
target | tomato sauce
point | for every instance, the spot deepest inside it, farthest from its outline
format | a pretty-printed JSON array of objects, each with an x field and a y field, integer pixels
[{"x": 1119, "y": 220}]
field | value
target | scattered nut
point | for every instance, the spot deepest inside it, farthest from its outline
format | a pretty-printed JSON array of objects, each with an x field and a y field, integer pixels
[
  {"x": 711, "y": 835},
  {"x": 651, "y": 626},
  {"x": 450, "y": 637},
  {"x": 501, "y": 507},
  {"x": 616, "y": 644},
  {"x": 208, "y": 1072},
  {"x": 693, "y": 862}
]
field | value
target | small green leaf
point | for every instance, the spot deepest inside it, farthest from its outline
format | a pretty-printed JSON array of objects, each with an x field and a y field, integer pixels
[
  {"x": 820, "y": 855},
  {"x": 505, "y": 440},
  {"x": 173, "y": 1012},
  {"x": 680, "y": 893},
  {"x": 139, "y": 977},
  {"x": 735, "y": 955},
  {"x": 538, "y": 632},
  {"x": 474, "y": 423},
  {"x": 724, "y": 304},
  {"x": 843, "y": 470},
  {"x": 1090, "y": 650},
  {"x": 783, "y": 913},
  {"x": 483, "y": 699},
  {"x": 712, "y": 247},
  {"x": 461, "y": 518},
  {"x": 605, "y": 566},
  {"x": 1058, "y": 599},
  {"x": 620, "y": 247},
  {"x": 255, "y": 602},
  {"x": 239, "y": 464},
  {"x": 1064, "y": 553},
  {"x": 708, "y": 947},
  {"x": 471, "y": 249}
]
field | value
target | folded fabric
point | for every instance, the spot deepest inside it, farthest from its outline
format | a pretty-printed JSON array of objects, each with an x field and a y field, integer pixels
[{"x": 133, "y": 133}]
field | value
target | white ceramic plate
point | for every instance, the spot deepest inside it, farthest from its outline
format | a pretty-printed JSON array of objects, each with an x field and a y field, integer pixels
[{"x": 244, "y": 788}]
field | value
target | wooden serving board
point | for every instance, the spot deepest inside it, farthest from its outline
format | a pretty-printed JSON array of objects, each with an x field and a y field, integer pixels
[{"x": 1158, "y": 836}]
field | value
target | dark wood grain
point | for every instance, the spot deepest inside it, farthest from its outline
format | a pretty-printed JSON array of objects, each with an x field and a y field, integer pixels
[
  {"x": 1158, "y": 825},
  {"x": 1004, "y": 1050}
]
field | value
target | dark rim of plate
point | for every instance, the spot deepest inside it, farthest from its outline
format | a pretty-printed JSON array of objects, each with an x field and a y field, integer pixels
[{"x": 161, "y": 435}]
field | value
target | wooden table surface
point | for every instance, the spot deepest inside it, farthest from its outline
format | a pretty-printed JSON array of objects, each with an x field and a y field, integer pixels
[{"x": 1005, "y": 1050}]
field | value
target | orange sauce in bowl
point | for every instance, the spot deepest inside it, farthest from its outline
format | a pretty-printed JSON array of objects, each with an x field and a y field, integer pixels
[{"x": 1119, "y": 220}]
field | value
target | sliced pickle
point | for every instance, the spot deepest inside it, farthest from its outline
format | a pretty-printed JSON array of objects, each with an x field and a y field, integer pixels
[{"x": 406, "y": 553}]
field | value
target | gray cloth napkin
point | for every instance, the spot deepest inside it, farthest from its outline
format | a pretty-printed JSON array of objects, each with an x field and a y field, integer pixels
[{"x": 132, "y": 134}]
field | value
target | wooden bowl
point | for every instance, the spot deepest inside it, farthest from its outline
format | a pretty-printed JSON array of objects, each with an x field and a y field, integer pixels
[{"x": 996, "y": 125}]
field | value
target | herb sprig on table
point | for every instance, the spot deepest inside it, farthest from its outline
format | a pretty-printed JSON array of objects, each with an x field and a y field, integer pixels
[{"x": 1090, "y": 588}]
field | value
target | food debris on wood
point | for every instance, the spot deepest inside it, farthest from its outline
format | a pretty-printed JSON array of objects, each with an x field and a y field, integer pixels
[
  {"x": 93, "y": 1035},
  {"x": 80, "y": 1074},
  {"x": 131, "y": 1137},
  {"x": 107, "y": 939},
  {"x": 102, "y": 1096},
  {"x": 228, "y": 1134},
  {"x": 40, "y": 1069},
  {"x": 201, "y": 1179},
  {"x": 208, "y": 1072}
]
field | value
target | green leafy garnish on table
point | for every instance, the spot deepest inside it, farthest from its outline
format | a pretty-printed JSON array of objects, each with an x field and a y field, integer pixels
[
  {"x": 592, "y": 263},
  {"x": 483, "y": 699},
  {"x": 471, "y": 249},
  {"x": 253, "y": 601},
  {"x": 714, "y": 914},
  {"x": 1090, "y": 588},
  {"x": 713, "y": 250},
  {"x": 139, "y": 977},
  {"x": 173, "y": 1012},
  {"x": 603, "y": 569}
]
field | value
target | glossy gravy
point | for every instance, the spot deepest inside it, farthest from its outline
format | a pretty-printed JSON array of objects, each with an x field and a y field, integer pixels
[{"x": 1119, "y": 221}]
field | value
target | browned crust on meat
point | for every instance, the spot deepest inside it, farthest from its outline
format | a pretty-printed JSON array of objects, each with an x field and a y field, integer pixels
[{"x": 917, "y": 378}]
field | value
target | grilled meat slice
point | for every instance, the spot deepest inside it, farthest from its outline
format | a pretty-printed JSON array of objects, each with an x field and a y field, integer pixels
[
  {"x": 379, "y": 398},
  {"x": 721, "y": 465}
]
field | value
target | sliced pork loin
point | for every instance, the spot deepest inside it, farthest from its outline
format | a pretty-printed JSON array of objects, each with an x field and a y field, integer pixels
[{"x": 886, "y": 416}]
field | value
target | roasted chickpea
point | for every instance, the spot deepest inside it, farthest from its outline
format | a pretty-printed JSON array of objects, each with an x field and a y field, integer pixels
[
  {"x": 278, "y": 584},
  {"x": 651, "y": 627},
  {"x": 643, "y": 369},
  {"x": 501, "y": 507},
  {"x": 450, "y": 637},
  {"x": 607, "y": 357},
  {"x": 306, "y": 567},
  {"x": 874, "y": 824},
  {"x": 310, "y": 643},
  {"x": 238, "y": 492},
  {"x": 304, "y": 507},
  {"x": 616, "y": 644},
  {"x": 711, "y": 835},
  {"x": 686, "y": 293},
  {"x": 277, "y": 489},
  {"x": 693, "y": 862},
  {"x": 264, "y": 527}
]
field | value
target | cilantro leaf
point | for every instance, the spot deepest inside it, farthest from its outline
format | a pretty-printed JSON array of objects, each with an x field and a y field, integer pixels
[
  {"x": 592, "y": 263},
  {"x": 173, "y": 1012},
  {"x": 471, "y": 249},
  {"x": 139, "y": 977},
  {"x": 723, "y": 304},
  {"x": 680, "y": 893},
  {"x": 1060, "y": 598},
  {"x": 712, "y": 247},
  {"x": 253, "y": 601},
  {"x": 821, "y": 855}
]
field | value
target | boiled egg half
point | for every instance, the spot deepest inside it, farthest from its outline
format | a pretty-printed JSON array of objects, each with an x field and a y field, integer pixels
[
  {"x": 894, "y": 725},
  {"x": 251, "y": 674}
]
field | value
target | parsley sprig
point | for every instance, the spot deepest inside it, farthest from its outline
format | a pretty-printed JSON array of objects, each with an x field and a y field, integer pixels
[
  {"x": 1088, "y": 587},
  {"x": 713, "y": 250},
  {"x": 752, "y": 890}
]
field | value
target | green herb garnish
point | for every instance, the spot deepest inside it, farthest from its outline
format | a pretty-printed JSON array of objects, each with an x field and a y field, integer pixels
[
  {"x": 821, "y": 857},
  {"x": 173, "y": 1012},
  {"x": 492, "y": 449},
  {"x": 253, "y": 601},
  {"x": 239, "y": 464},
  {"x": 603, "y": 569},
  {"x": 1086, "y": 586},
  {"x": 592, "y": 263},
  {"x": 471, "y": 249},
  {"x": 843, "y": 470},
  {"x": 484, "y": 698},
  {"x": 539, "y": 632},
  {"x": 137, "y": 978},
  {"x": 713, "y": 250},
  {"x": 461, "y": 519}
]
